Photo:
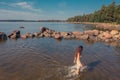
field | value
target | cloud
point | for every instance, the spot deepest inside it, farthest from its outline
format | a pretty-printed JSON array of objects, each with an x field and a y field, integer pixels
[
  {"x": 12, "y": 14},
  {"x": 26, "y": 5},
  {"x": 21, "y": 15},
  {"x": 27, "y": 10},
  {"x": 23, "y": 5}
]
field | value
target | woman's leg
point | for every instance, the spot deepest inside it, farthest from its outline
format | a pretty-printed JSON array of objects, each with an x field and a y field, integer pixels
[{"x": 79, "y": 65}]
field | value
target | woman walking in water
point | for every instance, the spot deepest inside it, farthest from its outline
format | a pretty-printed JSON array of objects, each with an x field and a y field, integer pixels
[{"x": 77, "y": 56}]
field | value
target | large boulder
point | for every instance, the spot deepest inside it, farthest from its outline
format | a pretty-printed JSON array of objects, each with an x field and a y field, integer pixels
[
  {"x": 29, "y": 35},
  {"x": 24, "y": 36},
  {"x": 114, "y": 32},
  {"x": 107, "y": 35},
  {"x": 64, "y": 33},
  {"x": 85, "y": 36},
  {"x": 76, "y": 33},
  {"x": 89, "y": 32},
  {"x": 42, "y": 29},
  {"x": 14, "y": 34},
  {"x": 57, "y": 36},
  {"x": 96, "y": 32},
  {"x": 3, "y": 36},
  {"x": 92, "y": 32}
]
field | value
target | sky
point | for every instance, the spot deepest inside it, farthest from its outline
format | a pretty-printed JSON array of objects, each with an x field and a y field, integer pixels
[{"x": 48, "y": 9}]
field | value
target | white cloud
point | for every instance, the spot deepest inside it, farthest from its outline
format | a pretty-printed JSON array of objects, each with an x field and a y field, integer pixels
[
  {"x": 12, "y": 14},
  {"x": 21, "y": 15},
  {"x": 23, "y": 5},
  {"x": 26, "y": 5},
  {"x": 27, "y": 11}
]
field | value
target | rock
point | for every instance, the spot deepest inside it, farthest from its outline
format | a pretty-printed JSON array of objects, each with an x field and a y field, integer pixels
[
  {"x": 24, "y": 36},
  {"x": 89, "y": 32},
  {"x": 92, "y": 32},
  {"x": 67, "y": 35},
  {"x": 96, "y": 32},
  {"x": 116, "y": 36},
  {"x": 64, "y": 33},
  {"x": 57, "y": 36},
  {"x": 94, "y": 38},
  {"x": 14, "y": 34},
  {"x": 84, "y": 36},
  {"x": 76, "y": 33},
  {"x": 29, "y": 35},
  {"x": 22, "y": 27},
  {"x": 42, "y": 29},
  {"x": 3, "y": 36},
  {"x": 114, "y": 32},
  {"x": 100, "y": 36},
  {"x": 107, "y": 35},
  {"x": 41, "y": 35},
  {"x": 36, "y": 34}
]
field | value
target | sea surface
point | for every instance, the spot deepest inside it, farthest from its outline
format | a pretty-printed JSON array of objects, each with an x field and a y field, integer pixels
[{"x": 49, "y": 59}]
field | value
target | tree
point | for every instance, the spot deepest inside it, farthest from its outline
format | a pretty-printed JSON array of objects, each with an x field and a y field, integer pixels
[{"x": 110, "y": 13}]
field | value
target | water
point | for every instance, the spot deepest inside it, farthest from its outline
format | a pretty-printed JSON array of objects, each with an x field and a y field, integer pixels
[{"x": 49, "y": 59}]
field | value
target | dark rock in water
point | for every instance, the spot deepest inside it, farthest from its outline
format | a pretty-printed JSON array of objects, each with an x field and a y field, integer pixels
[
  {"x": 14, "y": 34},
  {"x": 22, "y": 27},
  {"x": 3, "y": 36},
  {"x": 42, "y": 29}
]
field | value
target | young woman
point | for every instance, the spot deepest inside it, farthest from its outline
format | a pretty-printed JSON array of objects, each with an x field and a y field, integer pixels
[{"x": 77, "y": 56}]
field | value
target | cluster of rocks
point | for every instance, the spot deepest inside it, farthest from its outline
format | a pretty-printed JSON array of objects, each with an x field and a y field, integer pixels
[
  {"x": 90, "y": 35},
  {"x": 96, "y": 35},
  {"x": 30, "y": 35}
]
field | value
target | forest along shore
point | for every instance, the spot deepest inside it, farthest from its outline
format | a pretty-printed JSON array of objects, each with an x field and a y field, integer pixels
[
  {"x": 111, "y": 37},
  {"x": 100, "y": 26}
]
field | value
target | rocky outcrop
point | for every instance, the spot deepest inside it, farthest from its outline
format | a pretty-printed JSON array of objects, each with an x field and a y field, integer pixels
[
  {"x": 14, "y": 34},
  {"x": 94, "y": 35},
  {"x": 90, "y": 35},
  {"x": 3, "y": 36}
]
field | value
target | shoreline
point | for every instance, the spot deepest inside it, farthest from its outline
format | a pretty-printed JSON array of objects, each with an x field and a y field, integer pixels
[{"x": 102, "y": 26}]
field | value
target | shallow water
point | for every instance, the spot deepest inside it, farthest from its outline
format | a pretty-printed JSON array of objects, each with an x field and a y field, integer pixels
[{"x": 49, "y": 59}]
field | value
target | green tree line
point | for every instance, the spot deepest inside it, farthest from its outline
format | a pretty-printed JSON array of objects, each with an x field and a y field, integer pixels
[{"x": 108, "y": 14}]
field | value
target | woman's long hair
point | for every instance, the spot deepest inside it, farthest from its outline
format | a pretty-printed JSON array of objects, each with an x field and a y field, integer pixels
[{"x": 79, "y": 49}]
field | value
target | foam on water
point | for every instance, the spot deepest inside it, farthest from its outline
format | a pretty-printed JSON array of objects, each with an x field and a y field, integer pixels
[{"x": 72, "y": 72}]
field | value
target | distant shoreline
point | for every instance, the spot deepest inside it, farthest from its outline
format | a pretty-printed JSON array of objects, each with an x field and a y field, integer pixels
[
  {"x": 98, "y": 25},
  {"x": 32, "y": 20}
]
